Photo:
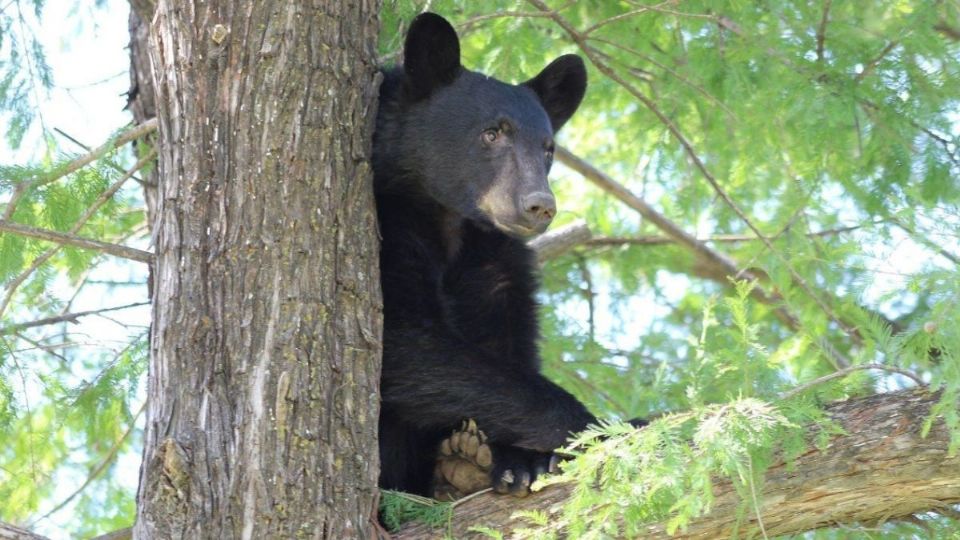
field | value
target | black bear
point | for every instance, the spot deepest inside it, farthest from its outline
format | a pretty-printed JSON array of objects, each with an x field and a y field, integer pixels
[{"x": 461, "y": 163}]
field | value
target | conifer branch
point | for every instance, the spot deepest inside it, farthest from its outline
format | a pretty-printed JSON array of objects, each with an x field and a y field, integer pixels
[
  {"x": 23, "y": 188},
  {"x": 46, "y": 255},
  {"x": 116, "y": 250}
]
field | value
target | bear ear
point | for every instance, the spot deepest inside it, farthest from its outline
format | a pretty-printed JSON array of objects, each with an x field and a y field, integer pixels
[
  {"x": 431, "y": 55},
  {"x": 560, "y": 87}
]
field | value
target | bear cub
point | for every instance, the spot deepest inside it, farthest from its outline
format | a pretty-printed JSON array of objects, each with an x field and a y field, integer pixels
[{"x": 461, "y": 163}]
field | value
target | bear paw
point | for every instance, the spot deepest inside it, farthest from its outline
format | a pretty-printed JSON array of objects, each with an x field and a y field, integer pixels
[
  {"x": 468, "y": 463},
  {"x": 463, "y": 463},
  {"x": 515, "y": 469}
]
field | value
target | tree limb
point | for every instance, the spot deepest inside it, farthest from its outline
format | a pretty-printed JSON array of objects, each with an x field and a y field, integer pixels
[
  {"x": 720, "y": 264},
  {"x": 116, "y": 250},
  {"x": 12, "y": 532},
  {"x": 881, "y": 469},
  {"x": 556, "y": 242}
]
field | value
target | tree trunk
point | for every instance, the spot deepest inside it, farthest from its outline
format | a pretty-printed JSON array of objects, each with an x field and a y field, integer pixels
[
  {"x": 265, "y": 343},
  {"x": 882, "y": 469}
]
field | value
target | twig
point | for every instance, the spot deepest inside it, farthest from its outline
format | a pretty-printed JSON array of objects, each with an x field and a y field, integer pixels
[
  {"x": 132, "y": 134},
  {"x": 117, "y": 250},
  {"x": 848, "y": 370},
  {"x": 646, "y": 58},
  {"x": 655, "y": 240},
  {"x": 113, "y": 164},
  {"x": 67, "y": 317},
  {"x": 872, "y": 64},
  {"x": 926, "y": 241},
  {"x": 589, "y": 295}
]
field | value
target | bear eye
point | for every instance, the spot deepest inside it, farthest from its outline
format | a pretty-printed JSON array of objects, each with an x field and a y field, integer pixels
[{"x": 491, "y": 135}]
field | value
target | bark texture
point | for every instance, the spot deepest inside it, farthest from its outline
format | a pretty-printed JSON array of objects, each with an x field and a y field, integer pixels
[
  {"x": 882, "y": 469},
  {"x": 266, "y": 341}
]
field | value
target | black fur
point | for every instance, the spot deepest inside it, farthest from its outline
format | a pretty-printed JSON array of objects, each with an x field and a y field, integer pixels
[{"x": 461, "y": 163}]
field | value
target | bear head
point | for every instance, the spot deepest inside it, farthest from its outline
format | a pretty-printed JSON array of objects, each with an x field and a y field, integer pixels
[{"x": 480, "y": 147}]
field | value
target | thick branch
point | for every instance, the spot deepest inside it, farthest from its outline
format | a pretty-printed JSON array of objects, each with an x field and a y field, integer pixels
[
  {"x": 116, "y": 250},
  {"x": 12, "y": 532},
  {"x": 882, "y": 469},
  {"x": 556, "y": 242}
]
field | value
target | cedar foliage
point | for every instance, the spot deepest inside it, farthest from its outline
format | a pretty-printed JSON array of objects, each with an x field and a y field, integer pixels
[{"x": 832, "y": 127}]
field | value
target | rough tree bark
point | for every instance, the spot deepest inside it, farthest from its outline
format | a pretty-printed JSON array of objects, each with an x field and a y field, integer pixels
[
  {"x": 265, "y": 343},
  {"x": 882, "y": 469}
]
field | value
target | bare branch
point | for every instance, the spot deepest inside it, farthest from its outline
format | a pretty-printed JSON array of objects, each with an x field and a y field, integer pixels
[
  {"x": 846, "y": 371},
  {"x": 116, "y": 250},
  {"x": 721, "y": 265},
  {"x": 654, "y": 240},
  {"x": 556, "y": 242},
  {"x": 12, "y": 532},
  {"x": 67, "y": 317}
]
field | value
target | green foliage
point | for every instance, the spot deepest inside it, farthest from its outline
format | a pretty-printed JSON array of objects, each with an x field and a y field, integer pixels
[
  {"x": 24, "y": 73},
  {"x": 397, "y": 508},
  {"x": 834, "y": 132}
]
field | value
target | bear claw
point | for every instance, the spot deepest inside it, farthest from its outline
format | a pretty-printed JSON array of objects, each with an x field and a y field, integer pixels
[{"x": 463, "y": 466}]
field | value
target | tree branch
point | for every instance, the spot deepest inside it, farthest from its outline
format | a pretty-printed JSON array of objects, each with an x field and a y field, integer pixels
[
  {"x": 116, "y": 250},
  {"x": 46, "y": 255},
  {"x": 132, "y": 134},
  {"x": 882, "y": 469},
  {"x": 12, "y": 532},
  {"x": 556, "y": 242},
  {"x": 66, "y": 317},
  {"x": 822, "y": 29},
  {"x": 720, "y": 265}
]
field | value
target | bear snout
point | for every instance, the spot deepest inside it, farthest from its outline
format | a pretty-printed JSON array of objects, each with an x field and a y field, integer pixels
[{"x": 537, "y": 209}]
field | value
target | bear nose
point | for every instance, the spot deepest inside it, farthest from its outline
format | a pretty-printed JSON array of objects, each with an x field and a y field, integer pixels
[{"x": 538, "y": 207}]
